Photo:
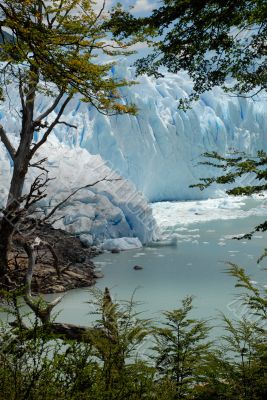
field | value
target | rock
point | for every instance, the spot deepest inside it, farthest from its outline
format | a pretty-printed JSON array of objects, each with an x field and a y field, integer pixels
[
  {"x": 98, "y": 275},
  {"x": 74, "y": 260},
  {"x": 115, "y": 251},
  {"x": 58, "y": 289},
  {"x": 75, "y": 274},
  {"x": 80, "y": 258},
  {"x": 137, "y": 267}
]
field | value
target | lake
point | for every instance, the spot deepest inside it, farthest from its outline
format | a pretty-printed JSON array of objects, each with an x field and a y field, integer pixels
[{"x": 191, "y": 260}]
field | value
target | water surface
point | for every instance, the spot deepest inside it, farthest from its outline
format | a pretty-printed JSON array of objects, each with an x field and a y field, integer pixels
[{"x": 195, "y": 266}]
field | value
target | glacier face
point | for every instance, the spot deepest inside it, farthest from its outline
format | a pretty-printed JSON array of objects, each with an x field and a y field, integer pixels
[
  {"x": 158, "y": 150},
  {"x": 110, "y": 209}
]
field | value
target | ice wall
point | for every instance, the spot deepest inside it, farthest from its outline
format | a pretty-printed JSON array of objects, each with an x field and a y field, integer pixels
[
  {"x": 158, "y": 150},
  {"x": 108, "y": 210}
]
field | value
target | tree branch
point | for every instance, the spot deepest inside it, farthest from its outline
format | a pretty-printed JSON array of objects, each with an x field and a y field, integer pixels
[
  {"x": 55, "y": 257},
  {"x": 61, "y": 330},
  {"x": 49, "y": 110},
  {"x": 38, "y": 164},
  {"x": 67, "y": 124},
  {"x": 41, "y": 309},
  {"x": 3, "y": 136},
  {"x": 51, "y": 22},
  {"x": 51, "y": 127},
  {"x": 31, "y": 251},
  {"x": 52, "y": 212},
  {"x": 21, "y": 94},
  {"x": 37, "y": 191}
]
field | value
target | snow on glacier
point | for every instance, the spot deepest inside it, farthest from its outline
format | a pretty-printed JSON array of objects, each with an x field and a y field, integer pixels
[{"x": 158, "y": 150}]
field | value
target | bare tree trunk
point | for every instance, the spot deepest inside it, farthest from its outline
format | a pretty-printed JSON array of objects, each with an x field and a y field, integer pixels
[
  {"x": 9, "y": 220},
  {"x": 21, "y": 164},
  {"x": 5, "y": 237}
]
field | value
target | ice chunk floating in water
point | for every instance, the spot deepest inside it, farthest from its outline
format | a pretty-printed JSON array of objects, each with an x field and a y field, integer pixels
[
  {"x": 125, "y": 243},
  {"x": 174, "y": 218}
]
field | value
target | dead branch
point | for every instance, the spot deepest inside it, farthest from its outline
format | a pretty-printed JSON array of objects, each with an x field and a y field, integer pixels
[
  {"x": 67, "y": 124},
  {"x": 55, "y": 257},
  {"x": 41, "y": 308},
  {"x": 20, "y": 217},
  {"x": 56, "y": 220},
  {"x": 78, "y": 333},
  {"x": 63, "y": 331},
  {"x": 31, "y": 251},
  {"x": 52, "y": 212},
  {"x": 37, "y": 190},
  {"x": 38, "y": 164},
  {"x": 17, "y": 257},
  {"x": 42, "y": 243}
]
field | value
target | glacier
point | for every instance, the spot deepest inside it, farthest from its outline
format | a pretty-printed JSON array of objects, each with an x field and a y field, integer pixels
[
  {"x": 159, "y": 149},
  {"x": 107, "y": 210},
  {"x": 156, "y": 153}
]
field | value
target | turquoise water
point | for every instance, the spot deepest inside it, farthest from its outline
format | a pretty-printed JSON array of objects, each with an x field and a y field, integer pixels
[{"x": 195, "y": 266}]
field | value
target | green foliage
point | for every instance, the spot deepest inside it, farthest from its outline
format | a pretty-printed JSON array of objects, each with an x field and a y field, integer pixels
[
  {"x": 117, "y": 335},
  {"x": 242, "y": 356},
  {"x": 235, "y": 166},
  {"x": 181, "y": 349},
  {"x": 212, "y": 40},
  {"x": 26, "y": 366},
  {"x": 108, "y": 365},
  {"x": 237, "y": 368},
  {"x": 56, "y": 45}
]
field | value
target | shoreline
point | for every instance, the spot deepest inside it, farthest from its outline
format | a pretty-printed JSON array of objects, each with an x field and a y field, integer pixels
[{"x": 67, "y": 267}]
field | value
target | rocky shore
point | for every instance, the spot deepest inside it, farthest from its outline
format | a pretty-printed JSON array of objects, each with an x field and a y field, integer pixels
[{"x": 69, "y": 265}]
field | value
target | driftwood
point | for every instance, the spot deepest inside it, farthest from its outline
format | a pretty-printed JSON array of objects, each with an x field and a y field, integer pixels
[{"x": 59, "y": 330}]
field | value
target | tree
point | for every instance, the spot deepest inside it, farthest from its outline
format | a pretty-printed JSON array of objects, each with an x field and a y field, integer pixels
[
  {"x": 217, "y": 42},
  {"x": 50, "y": 48},
  {"x": 237, "y": 369},
  {"x": 233, "y": 167},
  {"x": 181, "y": 349},
  {"x": 118, "y": 335},
  {"x": 41, "y": 357}
]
